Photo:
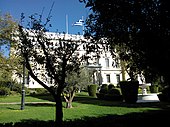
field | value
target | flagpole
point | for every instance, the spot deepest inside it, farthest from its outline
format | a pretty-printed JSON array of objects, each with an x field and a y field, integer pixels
[
  {"x": 66, "y": 24},
  {"x": 83, "y": 26}
]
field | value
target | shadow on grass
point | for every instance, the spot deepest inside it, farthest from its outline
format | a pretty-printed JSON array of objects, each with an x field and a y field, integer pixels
[
  {"x": 96, "y": 101},
  {"x": 41, "y": 104},
  {"x": 12, "y": 108},
  {"x": 85, "y": 99},
  {"x": 154, "y": 118},
  {"x": 46, "y": 97},
  {"x": 31, "y": 104}
]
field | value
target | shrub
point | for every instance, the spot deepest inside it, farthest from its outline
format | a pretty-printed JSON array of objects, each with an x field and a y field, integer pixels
[
  {"x": 16, "y": 87},
  {"x": 41, "y": 91},
  {"x": 153, "y": 88},
  {"x": 92, "y": 89},
  {"x": 114, "y": 92},
  {"x": 165, "y": 95},
  {"x": 129, "y": 90},
  {"x": 100, "y": 95},
  {"x": 110, "y": 86},
  {"x": 104, "y": 89},
  {"x": 113, "y": 97},
  {"x": 4, "y": 91},
  {"x": 4, "y": 83}
]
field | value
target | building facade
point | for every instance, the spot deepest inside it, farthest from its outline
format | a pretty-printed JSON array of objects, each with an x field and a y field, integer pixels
[{"x": 106, "y": 69}]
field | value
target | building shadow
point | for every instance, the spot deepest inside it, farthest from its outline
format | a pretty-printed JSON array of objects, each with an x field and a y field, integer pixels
[
  {"x": 46, "y": 97},
  {"x": 44, "y": 104},
  {"x": 155, "y": 118},
  {"x": 84, "y": 99},
  {"x": 96, "y": 101}
]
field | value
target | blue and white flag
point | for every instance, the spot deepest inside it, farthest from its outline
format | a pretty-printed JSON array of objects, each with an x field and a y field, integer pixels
[{"x": 79, "y": 23}]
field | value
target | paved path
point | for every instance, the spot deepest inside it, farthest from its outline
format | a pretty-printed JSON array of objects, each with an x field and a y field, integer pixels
[
  {"x": 27, "y": 103},
  {"x": 152, "y": 97}
]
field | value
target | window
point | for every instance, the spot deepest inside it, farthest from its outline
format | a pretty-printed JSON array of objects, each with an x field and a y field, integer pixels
[
  {"x": 108, "y": 77},
  {"x": 97, "y": 61},
  {"x": 118, "y": 78},
  {"x": 107, "y": 62}
]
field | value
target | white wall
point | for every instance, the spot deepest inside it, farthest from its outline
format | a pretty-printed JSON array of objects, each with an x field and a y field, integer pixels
[{"x": 111, "y": 70}]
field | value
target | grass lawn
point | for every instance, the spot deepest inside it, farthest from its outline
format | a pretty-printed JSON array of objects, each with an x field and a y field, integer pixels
[{"x": 83, "y": 106}]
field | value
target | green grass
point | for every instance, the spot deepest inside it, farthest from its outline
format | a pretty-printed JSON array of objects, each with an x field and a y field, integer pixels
[
  {"x": 17, "y": 98},
  {"x": 83, "y": 106}
]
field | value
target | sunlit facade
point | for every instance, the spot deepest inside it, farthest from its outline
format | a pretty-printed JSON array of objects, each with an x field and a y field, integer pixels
[{"x": 107, "y": 70}]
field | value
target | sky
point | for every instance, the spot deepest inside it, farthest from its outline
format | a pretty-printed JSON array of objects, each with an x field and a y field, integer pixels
[{"x": 60, "y": 9}]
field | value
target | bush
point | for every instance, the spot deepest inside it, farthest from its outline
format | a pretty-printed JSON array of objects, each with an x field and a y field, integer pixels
[
  {"x": 104, "y": 89},
  {"x": 38, "y": 91},
  {"x": 100, "y": 96},
  {"x": 113, "y": 97},
  {"x": 114, "y": 92},
  {"x": 153, "y": 88},
  {"x": 165, "y": 95},
  {"x": 4, "y": 83},
  {"x": 129, "y": 90},
  {"x": 92, "y": 89},
  {"x": 4, "y": 91},
  {"x": 110, "y": 86}
]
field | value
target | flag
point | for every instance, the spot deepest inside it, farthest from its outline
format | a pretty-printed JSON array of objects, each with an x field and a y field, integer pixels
[{"x": 79, "y": 23}]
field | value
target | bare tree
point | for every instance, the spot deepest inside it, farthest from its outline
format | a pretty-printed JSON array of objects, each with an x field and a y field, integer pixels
[{"x": 48, "y": 55}]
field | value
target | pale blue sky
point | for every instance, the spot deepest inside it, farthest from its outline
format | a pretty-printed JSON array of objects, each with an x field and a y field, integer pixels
[{"x": 73, "y": 8}]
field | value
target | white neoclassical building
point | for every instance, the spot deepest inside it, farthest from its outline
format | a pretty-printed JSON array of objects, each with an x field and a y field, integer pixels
[{"x": 107, "y": 70}]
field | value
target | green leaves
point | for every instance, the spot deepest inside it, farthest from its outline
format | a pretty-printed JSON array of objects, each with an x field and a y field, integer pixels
[
  {"x": 140, "y": 29},
  {"x": 8, "y": 27}
]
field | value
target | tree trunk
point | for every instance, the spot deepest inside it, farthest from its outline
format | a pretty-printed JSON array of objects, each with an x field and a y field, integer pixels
[
  {"x": 122, "y": 64},
  {"x": 59, "y": 111},
  {"x": 69, "y": 104},
  {"x": 69, "y": 99}
]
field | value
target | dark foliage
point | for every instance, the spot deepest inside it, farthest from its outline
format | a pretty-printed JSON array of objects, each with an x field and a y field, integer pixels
[
  {"x": 165, "y": 95},
  {"x": 109, "y": 92},
  {"x": 140, "y": 28},
  {"x": 129, "y": 91},
  {"x": 92, "y": 89}
]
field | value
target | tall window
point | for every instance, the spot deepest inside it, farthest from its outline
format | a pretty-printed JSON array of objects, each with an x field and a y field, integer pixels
[
  {"x": 107, "y": 62},
  {"x": 118, "y": 78},
  {"x": 108, "y": 77}
]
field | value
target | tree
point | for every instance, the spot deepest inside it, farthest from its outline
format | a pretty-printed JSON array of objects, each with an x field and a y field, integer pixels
[
  {"x": 5, "y": 73},
  {"x": 141, "y": 27},
  {"x": 7, "y": 28},
  {"x": 75, "y": 83},
  {"x": 47, "y": 56},
  {"x": 8, "y": 63}
]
